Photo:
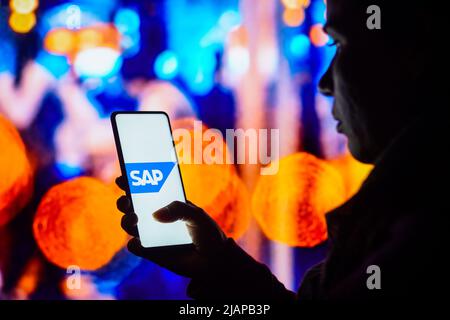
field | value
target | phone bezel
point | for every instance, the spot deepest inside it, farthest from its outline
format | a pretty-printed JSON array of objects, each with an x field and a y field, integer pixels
[{"x": 124, "y": 174}]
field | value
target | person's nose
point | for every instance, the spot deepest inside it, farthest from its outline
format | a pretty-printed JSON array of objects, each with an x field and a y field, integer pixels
[{"x": 326, "y": 86}]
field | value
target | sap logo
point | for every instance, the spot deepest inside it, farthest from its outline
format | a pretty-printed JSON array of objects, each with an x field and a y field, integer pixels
[
  {"x": 153, "y": 178},
  {"x": 147, "y": 177}
]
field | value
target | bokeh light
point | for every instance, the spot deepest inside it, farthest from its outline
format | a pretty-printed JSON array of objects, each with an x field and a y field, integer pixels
[
  {"x": 97, "y": 62},
  {"x": 127, "y": 21},
  {"x": 227, "y": 200},
  {"x": 353, "y": 172},
  {"x": 229, "y": 19},
  {"x": 295, "y": 4},
  {"x": 318, "y": 12},
  {"x": 16, "y": 183},
  {"x": 166, "y": 65},
  {"x": 23, "y": 6},
  {"x": 60, "y": 41},
  {"x": 318, "y": 37},
  {"x": 77, "y": 223},
  {"x": 56, "y": 65},
  {"x": 89, "y": 38},
  {"x": 294, "y": 17},
  {"x": 22, "y": 23},
  {"x": 238, "y": 60},
  {"x": 101, "y": 35},
  {"x": 29, "y": 280},
  {"x": 290, "y": 206},
  {"x": 299, "y": 45}
]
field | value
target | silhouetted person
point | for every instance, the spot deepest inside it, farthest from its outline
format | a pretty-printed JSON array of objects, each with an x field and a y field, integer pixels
[{"x": 388, "y": 104}]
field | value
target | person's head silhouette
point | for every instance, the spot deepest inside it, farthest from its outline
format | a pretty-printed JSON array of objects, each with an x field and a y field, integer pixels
[{"x": 381, "y": 79}]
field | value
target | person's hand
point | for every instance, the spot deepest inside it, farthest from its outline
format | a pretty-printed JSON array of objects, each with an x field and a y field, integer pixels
[{"x": 207, "y": 237}]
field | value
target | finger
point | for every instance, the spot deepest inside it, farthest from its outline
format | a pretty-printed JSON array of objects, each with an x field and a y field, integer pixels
[
  {"x": 124, "y": 204},
  {"x": 178, "y": 210},
  {"x": 135, "y": 247},
  {"x": 121, "y": 183},
  {"x": 162, "y": 215},
  {"x": 129, "y": 224}
]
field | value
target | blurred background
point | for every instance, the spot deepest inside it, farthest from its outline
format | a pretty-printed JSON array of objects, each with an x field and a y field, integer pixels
[{"x": 65, "y": 66}]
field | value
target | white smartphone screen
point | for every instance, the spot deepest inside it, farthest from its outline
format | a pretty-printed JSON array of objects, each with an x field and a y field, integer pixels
[{"x": 153, "y": 175}]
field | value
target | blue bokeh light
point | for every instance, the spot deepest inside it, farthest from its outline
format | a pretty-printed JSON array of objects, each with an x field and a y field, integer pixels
[
  {"x": 166, "y": 65},
  {"x": 55, "y": 64},
  {"x": 7, "y": 57},
  {"x": 318, "y": 9},
  {"x": 68, "y": 171},
  {"x": 229, "y": 20},
  {"x": 202, "y": 83},
  {"x": 127, "y": 21},
  {"x": 299, "y": 45}
]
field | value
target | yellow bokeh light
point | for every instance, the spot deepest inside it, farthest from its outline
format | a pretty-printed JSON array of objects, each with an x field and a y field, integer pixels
[
  {"x": 353, "y": 172},
  {"x": 23, "y": 6},
  {"x": 293, "y": 17},
  {"x": 295, "y": 4},
  {"x": 22, "y": 23}
]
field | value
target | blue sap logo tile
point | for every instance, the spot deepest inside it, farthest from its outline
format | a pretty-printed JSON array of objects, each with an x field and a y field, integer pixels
[{"x": 147, "y": 177}]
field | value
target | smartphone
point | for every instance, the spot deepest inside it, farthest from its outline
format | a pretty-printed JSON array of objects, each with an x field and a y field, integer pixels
[{"x": 148, "y": 160}]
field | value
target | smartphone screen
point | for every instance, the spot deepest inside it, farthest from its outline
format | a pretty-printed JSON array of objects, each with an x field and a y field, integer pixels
[{"x": 149, "y": 162}]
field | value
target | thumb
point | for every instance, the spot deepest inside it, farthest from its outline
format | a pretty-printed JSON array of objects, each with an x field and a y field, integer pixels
[
  {"x": 206, "y": 234},
  {"x": 177, "y": 210},
  {"x": 163, "y": 215}
]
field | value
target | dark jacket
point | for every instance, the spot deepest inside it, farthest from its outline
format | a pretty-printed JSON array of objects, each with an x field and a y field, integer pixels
[{"x": 397, "y": 221}]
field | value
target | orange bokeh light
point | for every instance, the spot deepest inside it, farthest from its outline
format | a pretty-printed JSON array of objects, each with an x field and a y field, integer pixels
[
  {"x": 234, "y": 217},
  {"x": 89, "y": 38},
  {"x": 221, "y": 156},
  {"x": 238, "y": 37},
  {"x": 29, "y": 279},
  {"x": 102, "y": 35},
  {"x": 77, "y": 223},
  {"x": 60, "y": 41},
  {"x": 294, "y": 17},
  {"x": 216, "y": 188},
  {"x": 305, "y": 3},
  {"x": 353, "y": 172},
  {"x": 68, "y": 42},
  {"x": 318, "y": 37},
  {"x": 290, "y": 206},
  {"x": 16, "y": 183}
]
